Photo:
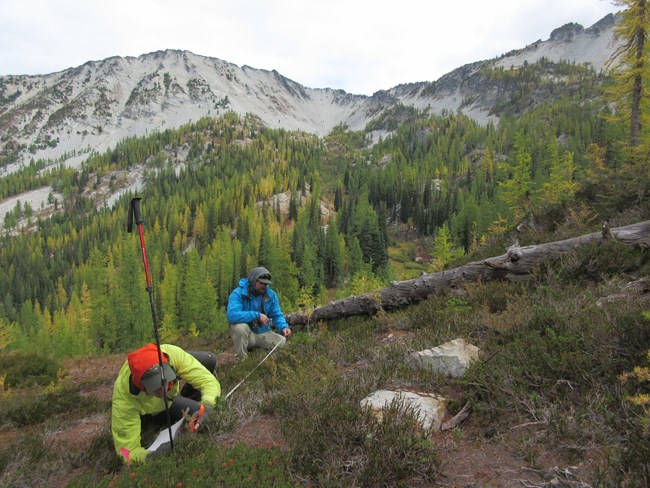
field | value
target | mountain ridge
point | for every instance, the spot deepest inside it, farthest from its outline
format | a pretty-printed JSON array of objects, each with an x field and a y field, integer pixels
[{"x": 64, "y": 116}]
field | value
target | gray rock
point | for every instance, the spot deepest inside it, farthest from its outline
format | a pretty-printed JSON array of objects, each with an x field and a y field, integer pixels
[
  {"x": 449, "y": 359},
  {"x": 430, "y": 409}
]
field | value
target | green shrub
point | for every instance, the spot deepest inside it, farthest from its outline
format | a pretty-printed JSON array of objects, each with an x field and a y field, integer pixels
[
  {"x": 100, "y": 454},
  {"x": 556, "y": 362},
  {"x": 37, "y": 407},
  {"x": 5, "y": 458},
  {"x": 196, "y": 462},
  {"x": 636, "y": 454},
  {"x": 332, "y": 440},
  {"x": 29, "y": 461},
  {"x": 595, "y": 262},
  {"x": 398, "y": 452},
  {"x": 494, "y": 296},
  {"x": 558, "y": 343},
  {"x": 27, "y": 369}
]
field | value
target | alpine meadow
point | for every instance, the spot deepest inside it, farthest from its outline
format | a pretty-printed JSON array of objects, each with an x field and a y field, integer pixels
[{"x": 370, "y": 194}]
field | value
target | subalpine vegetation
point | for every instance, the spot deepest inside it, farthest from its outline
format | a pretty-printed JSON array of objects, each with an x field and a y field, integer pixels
[
  {"x": 562, "y": 372},
  {"x": 212, "y": 209}
]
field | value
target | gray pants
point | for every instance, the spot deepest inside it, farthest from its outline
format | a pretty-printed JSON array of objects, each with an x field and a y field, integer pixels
[
  {"x": 244, "y": 339},
  {"x": 189, "y": 398}
]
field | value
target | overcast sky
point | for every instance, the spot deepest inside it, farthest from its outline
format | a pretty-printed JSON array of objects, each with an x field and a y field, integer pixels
[{"x": 360, "y": 46}]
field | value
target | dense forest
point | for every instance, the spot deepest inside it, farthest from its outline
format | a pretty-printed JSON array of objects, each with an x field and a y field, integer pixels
[{"x": 330, "y": 217}]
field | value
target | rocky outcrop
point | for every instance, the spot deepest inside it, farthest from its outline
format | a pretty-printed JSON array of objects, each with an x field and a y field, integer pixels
[{"x": 64, "y": 116}]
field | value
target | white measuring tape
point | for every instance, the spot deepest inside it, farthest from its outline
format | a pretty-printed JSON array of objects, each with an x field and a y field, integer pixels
[{"x": 251, "y": 371}]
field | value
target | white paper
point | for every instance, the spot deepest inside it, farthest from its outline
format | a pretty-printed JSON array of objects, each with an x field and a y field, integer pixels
[{"x": 163, "y": 436}]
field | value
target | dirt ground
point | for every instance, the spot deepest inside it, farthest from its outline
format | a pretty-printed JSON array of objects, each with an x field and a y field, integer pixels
[{"x": 471, "y": 457}]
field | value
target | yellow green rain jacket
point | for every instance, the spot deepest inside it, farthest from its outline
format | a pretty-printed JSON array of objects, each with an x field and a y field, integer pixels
[{"x": 128, "y": 407}]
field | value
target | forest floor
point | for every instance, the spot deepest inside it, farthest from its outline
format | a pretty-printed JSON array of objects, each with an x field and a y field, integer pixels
[{"x": 471, "y": 456}]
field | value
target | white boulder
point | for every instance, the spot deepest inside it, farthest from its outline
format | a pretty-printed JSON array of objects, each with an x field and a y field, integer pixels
[
  {"x": 449, "y": 359},
  {"x": 430, "y": 409}
]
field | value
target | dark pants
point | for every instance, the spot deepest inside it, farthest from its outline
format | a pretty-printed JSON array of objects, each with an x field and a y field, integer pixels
[{"x": 189, "y": 399}]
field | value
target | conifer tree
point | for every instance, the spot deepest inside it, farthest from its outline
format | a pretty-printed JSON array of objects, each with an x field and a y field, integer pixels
[
  {"x": 516, "y": 189},
  {"x": 561, "y": 186},
  {"x": 443, "y": 250},
  {"x": 285, "y": 273},
  {"x": 129, "y": 302},
  {"x": 28, "y": 320},
  {"x": 190, "y": 303},
  {"x": 265, "y": 254},
  {"x": 199, "y": 229},
  {"x": 364, "y": 225},
  {"x": 168, "y": 292},
  {"x": 333, "y": 261},
  {"x": 85, "y": 313},
  {"x": 294, "y": 205},
  {"x": 223, "y": 269},
  {"x": 355, "y": 256},
  {"x": 632, "y": 70},
  {"x": 6, "y": 334}
]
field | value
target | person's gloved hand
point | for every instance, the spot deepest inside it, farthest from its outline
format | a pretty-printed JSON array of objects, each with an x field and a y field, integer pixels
[
  {"x": 203, "y": 421},
  {"x": 164, "y": 448}
]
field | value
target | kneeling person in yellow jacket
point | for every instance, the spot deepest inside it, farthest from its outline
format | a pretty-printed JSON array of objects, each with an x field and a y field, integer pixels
[{"x": 138, "y": 392}]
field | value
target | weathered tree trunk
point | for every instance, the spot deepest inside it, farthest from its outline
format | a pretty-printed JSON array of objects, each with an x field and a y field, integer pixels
[{"x": 515, "y": 265}]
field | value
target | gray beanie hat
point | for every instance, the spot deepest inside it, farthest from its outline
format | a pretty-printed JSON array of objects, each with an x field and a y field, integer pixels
[{"x": 259, "y": 274}]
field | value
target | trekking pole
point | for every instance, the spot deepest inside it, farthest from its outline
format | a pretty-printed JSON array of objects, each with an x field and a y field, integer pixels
[{"x": 134, "y": 213}]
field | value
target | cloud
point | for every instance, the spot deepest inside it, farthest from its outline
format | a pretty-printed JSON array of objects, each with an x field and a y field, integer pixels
[{"x": 360, "y": 46}]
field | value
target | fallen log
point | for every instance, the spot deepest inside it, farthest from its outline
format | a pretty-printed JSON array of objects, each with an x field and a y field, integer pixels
[{"x": 516, "y": 265}]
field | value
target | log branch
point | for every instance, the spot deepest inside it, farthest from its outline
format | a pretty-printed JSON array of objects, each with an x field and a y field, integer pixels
[{"x": 458, "y": 418}]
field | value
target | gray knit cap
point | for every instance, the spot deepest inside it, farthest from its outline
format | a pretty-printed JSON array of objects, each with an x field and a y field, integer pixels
[{"x": 259, "y": 274}]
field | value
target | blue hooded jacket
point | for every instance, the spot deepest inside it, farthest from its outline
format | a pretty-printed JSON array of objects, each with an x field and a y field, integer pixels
[{"x": 244, "y": 307}]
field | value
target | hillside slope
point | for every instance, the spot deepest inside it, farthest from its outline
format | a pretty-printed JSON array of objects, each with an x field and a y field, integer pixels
[{"x": 548, "y": 407}]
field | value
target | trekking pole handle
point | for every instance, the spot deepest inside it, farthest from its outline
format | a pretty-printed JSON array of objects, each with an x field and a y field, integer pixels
[
  {"x": 134, "y": 213},
  {"x": 136, "y": 210}
]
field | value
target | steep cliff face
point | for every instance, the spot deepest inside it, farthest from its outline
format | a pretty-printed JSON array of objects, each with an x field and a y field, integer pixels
[{"x": 64, "y": 116}]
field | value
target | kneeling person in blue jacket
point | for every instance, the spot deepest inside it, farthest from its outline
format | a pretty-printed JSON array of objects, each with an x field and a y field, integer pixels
[{"x": 252, "y": 307}]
